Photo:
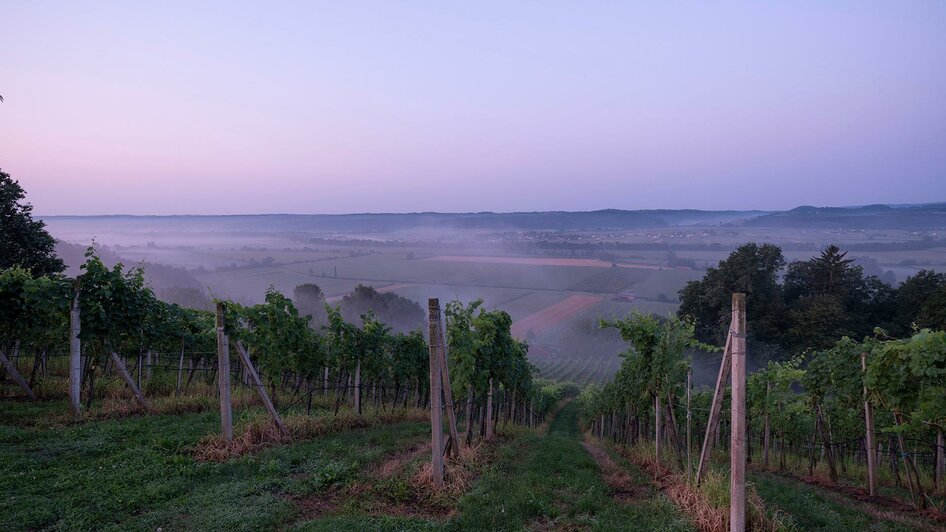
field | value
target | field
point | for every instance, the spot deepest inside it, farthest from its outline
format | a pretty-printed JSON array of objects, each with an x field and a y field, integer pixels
[{"x": 241, "y": 259}]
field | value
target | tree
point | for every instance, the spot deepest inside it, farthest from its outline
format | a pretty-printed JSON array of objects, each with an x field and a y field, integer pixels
[
  {"x": 310, "y": 301},
  {"x": 829, "y": 274},
  {"x": 402, "y": 314},
  {"x": 24, "y": 241},
  {"x": 932, "y": 314},
  {"x": 912, "y": 297},
  {"x": 752, "y": 269}
]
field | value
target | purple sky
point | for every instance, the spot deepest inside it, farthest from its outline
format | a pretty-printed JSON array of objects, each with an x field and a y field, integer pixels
[{"x": 191, "y": 107}]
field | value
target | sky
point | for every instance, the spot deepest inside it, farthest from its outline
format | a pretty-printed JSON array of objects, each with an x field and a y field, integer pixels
[{"x": 404, "y": 106}]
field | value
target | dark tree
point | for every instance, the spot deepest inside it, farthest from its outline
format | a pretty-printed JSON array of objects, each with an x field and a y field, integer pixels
[
  {"x": 24, "y": 241},
  {"x": 829, "y": 274},
  {"x": 932, "y": 314},
  {"x": 310, "y": 301},
  {"x": 400, "y": 313},
  {"x": 752, "y": 269},
  {"x": 912, "y": 297}
]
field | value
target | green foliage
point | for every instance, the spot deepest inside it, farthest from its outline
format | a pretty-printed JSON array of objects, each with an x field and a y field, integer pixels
[
  {"x": 821, "y": 299},
  {"x": 24, "y": 241}
]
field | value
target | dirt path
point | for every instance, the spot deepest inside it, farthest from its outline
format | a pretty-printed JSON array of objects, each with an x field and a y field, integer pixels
[{"x": 625, "y": 487}]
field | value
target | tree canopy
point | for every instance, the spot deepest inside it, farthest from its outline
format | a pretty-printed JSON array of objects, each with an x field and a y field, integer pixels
[{"x": 24, "y": 242}]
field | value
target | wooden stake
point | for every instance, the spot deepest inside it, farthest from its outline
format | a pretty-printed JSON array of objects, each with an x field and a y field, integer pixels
[
  {"x": 16, "y": 376},
  {"x": 223, "y": 375},
  {"x": 448, "y": 393},
  {"x": 75, "y": 355},
  {"x": 737, "y": 450},
  {"x": 657, "y": 426},
  {"x": 940, "y": 473},
  {"x": 123, "y": 371},
  {"x": 358, "y": 386},
  {"x": 436, "y": 419},
  {"x": 767, "y": 434},
  {"x": 490, "y": 424},
  {"x": 689, "y": 415},
  {"x": 871, "y": 443},
  {"x": 258, "y": 384},
  {"x": 712, "y": 424}
]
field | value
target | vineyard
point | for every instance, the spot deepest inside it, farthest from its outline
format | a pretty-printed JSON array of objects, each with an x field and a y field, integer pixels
[
  {"x": 103, "y": 341},
  {"x": 334, "y": 423},
  {"x": 863, "y": 418}
]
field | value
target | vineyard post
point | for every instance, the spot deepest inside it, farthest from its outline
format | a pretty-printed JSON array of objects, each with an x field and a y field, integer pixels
[
  {"x": 767, "y": 430},
  {"x": 436, "y": 419},
  {"x": 123, "y": 371},
  {"x": 16, "y": 376},
  {"x": 448, "y": 392},
  {"x": 258, "y": 384},
  {"x": 223, "y": 376},
  {"x": 871, "y": 443},
  {"x": 657, "y": 426},
  {"x": 75, "y": 355},
  {"x": 689, "y": 416},
  {"x": 712, "y": 424},
  {"x": 490, "y": 422},
  {"x": 940, "y": 459},
  {"x": 737, "y": 452}
]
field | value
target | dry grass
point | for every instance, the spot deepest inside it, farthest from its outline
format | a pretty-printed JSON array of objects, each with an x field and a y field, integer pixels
[
  {"x": 259, "y": 434},
  {"x": 708, "y": 504}
]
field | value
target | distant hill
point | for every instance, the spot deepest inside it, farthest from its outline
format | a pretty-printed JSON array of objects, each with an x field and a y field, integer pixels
[
  {"x": 909, "y": 217},
  {"x": 609, "y": 219},
  {"x": 929, "y": 216}
]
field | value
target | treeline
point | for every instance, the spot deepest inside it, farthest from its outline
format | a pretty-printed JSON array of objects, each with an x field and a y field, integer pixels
[{"x": 808, "y": 304}]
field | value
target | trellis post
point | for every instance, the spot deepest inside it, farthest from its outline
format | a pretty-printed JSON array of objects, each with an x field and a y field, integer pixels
[
  {"x": 448, "y": 393},
  {"x": 223, "y": 376},
  {"x": 436, "y": 419},
  {"x": 871, "y": 442},
  {"x": 75, "y": 354},
  {"x": 712, "y": 424},
  {"x": 737, "y": 454}
]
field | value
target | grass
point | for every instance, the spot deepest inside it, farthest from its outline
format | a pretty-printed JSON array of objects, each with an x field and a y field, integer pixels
[
  {"x": 809, "y": 508},
  {"x": 139, "y": 473},
  {"x": 552, "y": 482}
]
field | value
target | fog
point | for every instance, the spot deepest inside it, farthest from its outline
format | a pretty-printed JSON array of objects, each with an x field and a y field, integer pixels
[{"x": 557, "y": 274}]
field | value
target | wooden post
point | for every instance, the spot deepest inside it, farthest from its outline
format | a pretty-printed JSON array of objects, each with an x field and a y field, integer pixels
[
  {"x": 436, "y": 419},
  {"x": 712, "y": 424},
  {"x": 940, "y": 471},
  {"x": 490, "y": 425},
  {"x": 180, "y": 369},
  {"x": 767, "y": 434},
  {"x": 223, "y": 375},
  {"x": 871, "y": 443},
  {"x": 737, "y": 450},
  {"x": 75, "y": 355},
  {"x": 123, "y": 371},
  {"x": 358, "y": 386},
  {"x": 149, "y": 361},
  {"x": 16, "y": 376},
  {"x": 689, "y": 415},
  {"x": 448, "y": 393},
  {"x": 657, "y": 426},
  {"x": 258, "y": 384}
]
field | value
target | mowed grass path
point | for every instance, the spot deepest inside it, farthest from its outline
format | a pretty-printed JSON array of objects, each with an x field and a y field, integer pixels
[
  {"x": 139, "y": 474},
  {"x": 551, "y": 482}
]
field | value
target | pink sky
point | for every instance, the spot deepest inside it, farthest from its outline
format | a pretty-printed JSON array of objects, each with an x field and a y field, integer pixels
[{"x": 351, "y": 107}]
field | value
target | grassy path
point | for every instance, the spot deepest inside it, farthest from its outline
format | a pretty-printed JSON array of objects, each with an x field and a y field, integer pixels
[
  {"x": 138, "y": 474},
  {"x": 552, "y": 482}
]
